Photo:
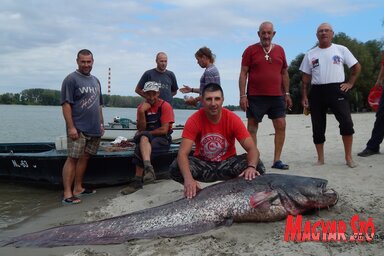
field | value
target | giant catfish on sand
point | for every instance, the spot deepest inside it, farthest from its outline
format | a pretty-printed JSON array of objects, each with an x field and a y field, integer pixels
[{"x": 270, "y": 197}]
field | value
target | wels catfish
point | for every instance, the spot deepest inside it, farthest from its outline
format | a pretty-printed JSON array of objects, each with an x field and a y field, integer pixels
[{"x": 269, "y": 197}]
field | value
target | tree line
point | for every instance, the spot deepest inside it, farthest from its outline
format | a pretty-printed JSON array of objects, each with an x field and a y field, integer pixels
[
  {"x": 368, "y": 55},
  {"x": 48, "y": 97}
]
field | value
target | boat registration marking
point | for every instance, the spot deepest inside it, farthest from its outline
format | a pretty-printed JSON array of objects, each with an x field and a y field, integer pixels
[{"x": 20, "y": 164}]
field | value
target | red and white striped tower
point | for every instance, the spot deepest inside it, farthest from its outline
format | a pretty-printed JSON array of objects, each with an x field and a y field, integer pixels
[{"x": 109, "y": 81}]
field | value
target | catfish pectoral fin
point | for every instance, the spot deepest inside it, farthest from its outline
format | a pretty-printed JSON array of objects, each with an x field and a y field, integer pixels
[{"x": 262, "y": 197}]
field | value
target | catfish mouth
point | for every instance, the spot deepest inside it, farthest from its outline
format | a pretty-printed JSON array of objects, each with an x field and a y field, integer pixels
[{"x": 331, "y": 194}]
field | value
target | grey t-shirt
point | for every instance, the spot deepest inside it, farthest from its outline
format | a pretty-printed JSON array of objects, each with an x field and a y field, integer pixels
[
  {"x": 84, "y": 94},
  {"x": 210, "y": 75},
  {"x": 167, "y": 81}
]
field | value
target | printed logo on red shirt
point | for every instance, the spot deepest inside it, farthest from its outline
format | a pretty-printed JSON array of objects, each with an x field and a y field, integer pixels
[{"x": 213, "y": 147}]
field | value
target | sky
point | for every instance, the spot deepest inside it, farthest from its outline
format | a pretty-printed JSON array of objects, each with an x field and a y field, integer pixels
[{"x": 39, "y": 39}]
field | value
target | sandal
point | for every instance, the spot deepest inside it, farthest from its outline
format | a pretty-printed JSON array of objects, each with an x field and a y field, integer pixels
[
  {"x": 71, "y": 200},
  {"x": 280, "y": 165},
  {"x": 86, "y": 192}
]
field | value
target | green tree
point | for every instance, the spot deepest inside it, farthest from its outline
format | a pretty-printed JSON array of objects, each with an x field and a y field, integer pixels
[
  {"x": 38, "y": 96},
  {"x": 366, "y": 60},
  {"x": 295, "y": 83},
  {"x": 7, "y": 98}
]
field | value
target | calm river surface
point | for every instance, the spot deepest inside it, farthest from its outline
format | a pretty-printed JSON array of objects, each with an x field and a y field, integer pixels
[{"x": 42, "y": 124}]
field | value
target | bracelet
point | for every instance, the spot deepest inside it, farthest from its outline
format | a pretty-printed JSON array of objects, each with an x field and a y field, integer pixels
[
  {"x": 287, "y": 93},
  {"x": 244, "y": 95},
  {"x": 251, "y": 166}
]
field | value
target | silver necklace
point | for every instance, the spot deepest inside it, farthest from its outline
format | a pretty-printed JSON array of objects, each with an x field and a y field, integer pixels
[{"x": 267, "y": 57}]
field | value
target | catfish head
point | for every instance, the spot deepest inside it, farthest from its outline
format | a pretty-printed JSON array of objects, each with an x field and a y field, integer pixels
[
  {"x": 301, "y": 194},
  {"x": 293, "y": 195}
]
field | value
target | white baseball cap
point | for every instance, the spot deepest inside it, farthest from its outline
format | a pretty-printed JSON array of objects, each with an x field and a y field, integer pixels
[{"x": 151, "y": 86}]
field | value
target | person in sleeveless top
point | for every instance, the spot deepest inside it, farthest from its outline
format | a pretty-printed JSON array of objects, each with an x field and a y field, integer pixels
[{"x": 155, "y": 118}]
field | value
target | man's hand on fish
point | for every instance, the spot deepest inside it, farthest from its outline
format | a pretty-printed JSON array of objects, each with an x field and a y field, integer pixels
[
  {"x": 191, "y": 187},
  {"x": 249, "y": 173}
]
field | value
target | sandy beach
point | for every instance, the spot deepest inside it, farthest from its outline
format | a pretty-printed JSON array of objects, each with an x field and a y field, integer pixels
[{"x": 361, "y": 193}]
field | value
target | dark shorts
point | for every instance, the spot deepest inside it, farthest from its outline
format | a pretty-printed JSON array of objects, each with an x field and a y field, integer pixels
[
  {"x": 206, "y": 171},
  {"x": 76, "y": 148},
  {"x": 273, "y": 106},
  {"x": 159, "y": 145}
]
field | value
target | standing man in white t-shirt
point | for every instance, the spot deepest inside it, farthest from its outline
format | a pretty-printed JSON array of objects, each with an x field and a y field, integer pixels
[{"x": 323, "y": 69}]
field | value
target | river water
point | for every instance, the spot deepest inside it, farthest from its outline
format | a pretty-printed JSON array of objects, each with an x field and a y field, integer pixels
[{"x": 20, "y": 123}]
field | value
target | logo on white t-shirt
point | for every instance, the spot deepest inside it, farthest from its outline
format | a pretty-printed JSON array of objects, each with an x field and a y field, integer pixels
[
  {"x": 336, "y": 59},
  {"x": 213, "y": 147},
  {"x": 315, "y": 63}
]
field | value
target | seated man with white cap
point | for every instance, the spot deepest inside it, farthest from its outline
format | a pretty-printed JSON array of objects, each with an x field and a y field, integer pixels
[{"x": 154, "y": 124}]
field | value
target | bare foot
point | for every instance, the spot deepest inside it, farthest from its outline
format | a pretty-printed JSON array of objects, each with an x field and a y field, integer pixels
[
  {"x": 319, "y": 163},
  {"x": 351, "y": 164}
]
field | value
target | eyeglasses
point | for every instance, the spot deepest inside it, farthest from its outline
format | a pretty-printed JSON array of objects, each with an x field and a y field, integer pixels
[{"x": 326, "y": 30}]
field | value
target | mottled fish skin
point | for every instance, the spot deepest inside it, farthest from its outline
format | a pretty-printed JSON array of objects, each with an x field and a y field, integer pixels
[{"x": 270, "y": 197}]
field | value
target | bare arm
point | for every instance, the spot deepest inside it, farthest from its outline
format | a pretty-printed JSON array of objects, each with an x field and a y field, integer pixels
[
  {"x": 305, "y": 80},
  {"x": 253, "y": 154},
  {"x": 242, "y": 84},
  {"x": 161, "y": 131},
  {"x": 191, "y": 186},
  {"x": 141, "y": 120},
  {"x": 139, "y": 91},
  {"x": 188, "y": 89},
  {"x": 285, "y": 78},
  {"x": 355, "y": 71},
  {"x": 71, "y": 129},
  {"x": 101, "y": 120}
]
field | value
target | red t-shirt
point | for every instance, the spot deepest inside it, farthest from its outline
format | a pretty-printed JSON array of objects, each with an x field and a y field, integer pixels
[
  {"x": 167, "y": 115},
  {"x": 264, "y": 78},
  {"x": 215, "y": 142}
]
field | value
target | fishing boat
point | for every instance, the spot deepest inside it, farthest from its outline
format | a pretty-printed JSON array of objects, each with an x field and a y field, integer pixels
[
  {"x": 42, "y": 163},
  {"x": 125, "y": 127}
]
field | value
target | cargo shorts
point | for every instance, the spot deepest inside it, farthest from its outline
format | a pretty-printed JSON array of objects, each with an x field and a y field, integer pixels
[{"x": 84, "y": 143}]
